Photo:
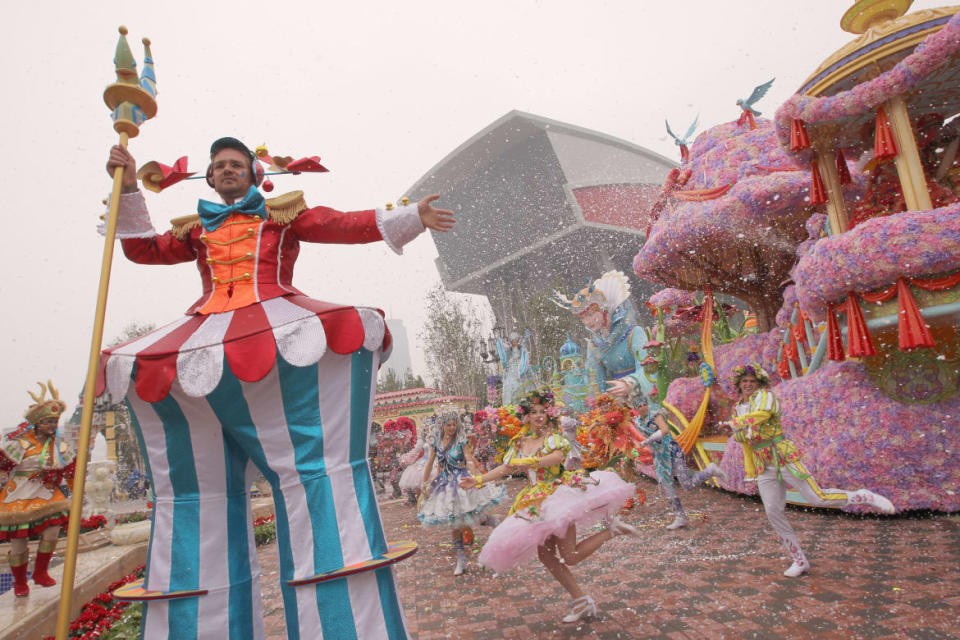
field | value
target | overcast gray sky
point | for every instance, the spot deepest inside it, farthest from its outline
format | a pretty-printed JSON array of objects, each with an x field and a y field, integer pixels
[{"x": 380, "y": 90}]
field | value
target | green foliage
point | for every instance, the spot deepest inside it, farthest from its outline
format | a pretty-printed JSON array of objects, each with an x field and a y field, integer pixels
[
  {"x": 451, "y": 338},
  {"x": 549, "y": 325},
  {"x": 127, "y": 626},
  {"x": 265, "y": 533}
]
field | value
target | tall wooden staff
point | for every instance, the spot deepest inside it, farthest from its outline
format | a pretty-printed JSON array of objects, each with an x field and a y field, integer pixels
[{"x": 132, "y": 101}]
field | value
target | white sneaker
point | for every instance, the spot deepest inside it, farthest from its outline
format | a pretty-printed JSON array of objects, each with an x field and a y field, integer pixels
[
  {"x": 716, "y": 472},
  {"x": 678, "y": 522},
  {"x": 618, "y": 527},
  {"x": 459, "y": 569},
  {"x": 582, "y": 608},
  {"x": 796, "y": 570},
  {"x": 864, "y": 496}
]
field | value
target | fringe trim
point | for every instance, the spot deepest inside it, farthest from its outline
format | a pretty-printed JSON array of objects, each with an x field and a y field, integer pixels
[
  {"x": 183, "y": 225},
  {"x": 283, "y": 210},
  {"x": 9, "y": 518},
  {"x": 286, "y": 207}
]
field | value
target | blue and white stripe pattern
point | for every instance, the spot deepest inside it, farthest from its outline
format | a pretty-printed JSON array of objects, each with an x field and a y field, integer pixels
[{"x": 305, "y": 428}]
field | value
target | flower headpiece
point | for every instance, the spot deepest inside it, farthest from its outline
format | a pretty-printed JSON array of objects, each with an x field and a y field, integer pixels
[
  {"x": 544, "y": 397},
  {"x": 42, "y": 408},
  {"x": 752, "y": 369}
]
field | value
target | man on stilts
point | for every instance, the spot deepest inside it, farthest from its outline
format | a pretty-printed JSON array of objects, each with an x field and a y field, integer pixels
[{"x": 258, "y": 377}]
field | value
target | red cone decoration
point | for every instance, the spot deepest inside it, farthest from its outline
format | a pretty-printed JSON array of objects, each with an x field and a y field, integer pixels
[
  {"x": 859, "y": 343},
  {"x": 884, "y": 145},
  {"x": 834, "y": 339},
  {"x": 783, "y": 368},
  {"x": 818, "y": 193},
  {"x": 912, "y": 329},
  {"x": 842, "y": 170},
  {"x": 798, "y": 136}
]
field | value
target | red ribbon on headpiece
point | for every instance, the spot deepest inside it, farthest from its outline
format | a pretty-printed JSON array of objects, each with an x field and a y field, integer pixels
[
  {"x": 798, "y": 136},
  {"x": 884, "y": 145},
  {"x": 912, "y": 330}
]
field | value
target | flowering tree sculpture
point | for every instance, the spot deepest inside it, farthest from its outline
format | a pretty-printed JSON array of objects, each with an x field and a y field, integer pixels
[{"x": 730, "y": 218}]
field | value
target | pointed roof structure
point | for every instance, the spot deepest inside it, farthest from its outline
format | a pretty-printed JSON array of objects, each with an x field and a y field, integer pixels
[{"x": 539, "y": 201}]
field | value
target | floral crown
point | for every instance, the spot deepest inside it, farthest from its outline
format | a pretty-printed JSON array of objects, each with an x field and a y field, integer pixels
[
  {"x": 534, "y": 397},
  {"x": 752, "y": 369}
]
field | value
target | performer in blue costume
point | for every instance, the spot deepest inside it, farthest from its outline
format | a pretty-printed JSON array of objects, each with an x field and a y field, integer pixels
[
  {"x": 257, "y": 376},
  {"x": 616, "y": 345},
  {"x": 514, "y": 357},
  {"x": 445, "y": 502}
]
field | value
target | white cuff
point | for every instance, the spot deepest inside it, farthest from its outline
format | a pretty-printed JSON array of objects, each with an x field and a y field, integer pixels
[
  {"x": 399, "y": 226},
  {"x": 133, "y": 220}
]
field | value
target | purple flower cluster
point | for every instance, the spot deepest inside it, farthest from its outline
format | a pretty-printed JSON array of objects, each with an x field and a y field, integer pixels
[
  {"x": 759, "y": 211},
  {"x": 853, "y": 436},
  {"x": 672, "y": 298},
  {"x": 932, "y": 53},
  {"x": 877, "y": 252}
]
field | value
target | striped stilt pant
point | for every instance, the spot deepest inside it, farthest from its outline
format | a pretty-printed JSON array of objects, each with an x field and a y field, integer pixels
[{"x": 305, "y": 429}]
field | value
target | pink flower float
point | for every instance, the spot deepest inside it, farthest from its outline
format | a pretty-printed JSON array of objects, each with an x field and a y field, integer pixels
[
  {"x": 732, "y": 220},
  {"x": 927, "y": 57},
  {"x": 875, "y": 254}
]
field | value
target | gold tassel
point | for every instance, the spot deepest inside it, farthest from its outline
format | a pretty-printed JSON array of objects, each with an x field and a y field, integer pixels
[
  {"x": 286, "y": 207},
  {"x": 182, "y": 226}
]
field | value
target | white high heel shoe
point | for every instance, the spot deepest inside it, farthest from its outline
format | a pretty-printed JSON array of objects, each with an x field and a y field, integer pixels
[
  {"x": 716, "y": 472},
  {"x": 618, "y": 527},
  {"x": 865, "y": 496},
  {"x": 582, "y": 608}
]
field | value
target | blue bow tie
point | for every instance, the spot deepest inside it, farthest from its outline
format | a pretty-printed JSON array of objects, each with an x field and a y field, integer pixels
[{"x": 212, "y": 214}]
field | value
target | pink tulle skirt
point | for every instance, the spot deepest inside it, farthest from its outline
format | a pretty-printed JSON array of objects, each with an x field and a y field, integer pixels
[{"x": 515, "y": 540}]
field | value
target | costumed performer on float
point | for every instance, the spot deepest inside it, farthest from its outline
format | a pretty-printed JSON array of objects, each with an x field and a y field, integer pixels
[
  {"x": 211, "y": 402},
  {"x": 35, "y": 498},
  {"x": 415, "y": 461},
  {"x": 669, "y": 462},
  {"x": 514, "y": 357},
  {"x": 546, "y": 514},
  {"x": 446, "y": 503},
  {"x": 774, "y": 462},
  {"x": 615, "y": 348}
]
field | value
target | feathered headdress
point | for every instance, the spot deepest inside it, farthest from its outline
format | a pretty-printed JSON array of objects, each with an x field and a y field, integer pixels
[{"x": 607, "y": 292}]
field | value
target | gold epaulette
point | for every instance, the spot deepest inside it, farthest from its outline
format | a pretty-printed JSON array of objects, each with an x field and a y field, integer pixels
[
  {"x": 282, "y": 210},
  {"x": 182, "y": 226},
  {"x": 285, "y": 207}
]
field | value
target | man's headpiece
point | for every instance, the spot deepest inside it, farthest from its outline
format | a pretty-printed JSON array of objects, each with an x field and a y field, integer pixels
[
  {"x": 256, "y": 170},
  {"x": 43, "y": 408}
]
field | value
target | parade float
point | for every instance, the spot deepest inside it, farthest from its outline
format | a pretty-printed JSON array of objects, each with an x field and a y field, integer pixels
[{"x": 845, "y": 216}]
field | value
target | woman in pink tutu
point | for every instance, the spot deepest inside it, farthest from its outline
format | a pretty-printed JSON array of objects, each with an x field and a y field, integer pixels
[{"x": 545, "y": 515}]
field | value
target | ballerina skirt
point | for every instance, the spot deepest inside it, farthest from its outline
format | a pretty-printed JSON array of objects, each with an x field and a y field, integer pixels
[
  {"x": 412, "y": 476},
  {"x": 576, "y": 500},
  {"x": 450, "y": 505}
]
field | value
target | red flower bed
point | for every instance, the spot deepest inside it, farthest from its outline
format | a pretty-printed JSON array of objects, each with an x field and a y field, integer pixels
[{"x": 98, "y": 615}]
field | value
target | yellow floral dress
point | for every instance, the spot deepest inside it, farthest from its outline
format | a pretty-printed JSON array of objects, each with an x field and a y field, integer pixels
[
  {"x": 757, "y": 427},
  {"x": 554, "y": 501}
]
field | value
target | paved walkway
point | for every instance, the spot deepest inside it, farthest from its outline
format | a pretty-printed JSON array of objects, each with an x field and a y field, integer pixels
[{"x": 893, "y": 577}]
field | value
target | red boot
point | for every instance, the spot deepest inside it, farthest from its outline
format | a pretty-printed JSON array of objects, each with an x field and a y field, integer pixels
[
  {"x": 40, "y": 575},
  {"x": 20, "y": 587}
]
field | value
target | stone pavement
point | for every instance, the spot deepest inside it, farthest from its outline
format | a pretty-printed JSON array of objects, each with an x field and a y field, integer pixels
[{"x": 871, "y": 577}]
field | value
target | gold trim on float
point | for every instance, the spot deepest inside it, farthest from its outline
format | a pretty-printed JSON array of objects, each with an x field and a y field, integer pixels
[{"x": 874, "y": 33}]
